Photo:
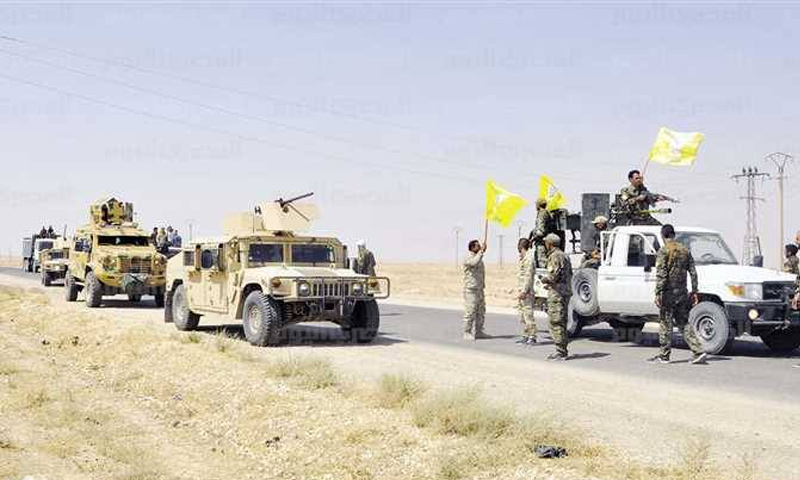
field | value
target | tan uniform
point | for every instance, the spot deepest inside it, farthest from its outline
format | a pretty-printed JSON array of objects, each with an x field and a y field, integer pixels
[
  {"x": 525, "y": 274},
  {"x": 474, "y": 300}
]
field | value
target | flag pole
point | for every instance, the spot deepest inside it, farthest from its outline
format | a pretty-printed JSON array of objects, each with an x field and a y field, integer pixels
[{"x": 485, "y": 231}]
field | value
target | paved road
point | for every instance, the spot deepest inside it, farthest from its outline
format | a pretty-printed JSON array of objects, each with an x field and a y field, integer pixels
[{"x": 750, "y": 369}]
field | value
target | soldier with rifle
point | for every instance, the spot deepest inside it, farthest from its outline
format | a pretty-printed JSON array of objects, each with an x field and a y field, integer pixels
[
  {"x": 545, "y": 225},
  {"x": 635, "y": 203}
]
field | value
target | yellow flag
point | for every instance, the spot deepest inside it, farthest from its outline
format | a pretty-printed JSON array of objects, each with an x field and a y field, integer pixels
[
  {"x": 551, "y": 193},
  {"x": 675, "y": 148},
  {"x": 501, "y": 205}
]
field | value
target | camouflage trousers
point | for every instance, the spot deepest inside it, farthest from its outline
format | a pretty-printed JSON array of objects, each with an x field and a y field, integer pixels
[
  {"x": 474, "y": 311},
  {"x": 557, "y": 314},
  {"x": 525, "y": 308},
  {"x": 541, "y": 255},
  {"x": 675, "y": 311}
]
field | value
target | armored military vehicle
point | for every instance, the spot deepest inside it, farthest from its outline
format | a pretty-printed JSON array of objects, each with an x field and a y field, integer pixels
[
  {"x": 54, "y": 261},
  {"x": 112, "y": 255},
  {"x": 267, "y": 273}
]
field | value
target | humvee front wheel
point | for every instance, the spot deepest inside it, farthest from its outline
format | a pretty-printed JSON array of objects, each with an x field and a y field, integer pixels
[
  {"x": 94, "y": 291},
  {"x": 262, "y": 319},
  {"x": 183, "y": 318},
  {"x": 70, "y": 289},
  {"x": 364, "y": 322}
]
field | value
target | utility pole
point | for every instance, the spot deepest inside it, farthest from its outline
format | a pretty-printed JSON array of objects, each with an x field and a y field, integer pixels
[
  {"x": 780, "y": 160},
  {"x": 457, "y": 231},
  {"x": 752, "y": 244},
  {"x": 520, "y": 224},
  {"x": 500, "y": 249}
]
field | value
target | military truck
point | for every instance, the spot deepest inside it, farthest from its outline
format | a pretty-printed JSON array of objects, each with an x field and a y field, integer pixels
[
  {"x": 54, "y": 261},
  {"x": 31, "y": 249},
  {"x": 112, "y": 255},
  {"x": 268, "y": 274}
]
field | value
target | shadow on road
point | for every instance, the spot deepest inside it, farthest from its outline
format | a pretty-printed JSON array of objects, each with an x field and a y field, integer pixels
[
  {"x": 304, "y": 335},
  {"x": 587, "y": 356}
]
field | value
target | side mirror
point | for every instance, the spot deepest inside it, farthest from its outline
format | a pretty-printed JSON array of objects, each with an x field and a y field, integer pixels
[{"x": 649, "y": 262}]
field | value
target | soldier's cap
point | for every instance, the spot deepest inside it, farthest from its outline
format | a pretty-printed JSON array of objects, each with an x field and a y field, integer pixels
[
  {"x": 599, "y": 219},
  {"x": 541, "y": 202},
  {"x": 552, "y": 238}
]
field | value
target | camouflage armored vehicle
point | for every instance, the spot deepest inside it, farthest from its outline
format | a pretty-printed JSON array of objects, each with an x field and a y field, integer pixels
[
  {"x": 112, "y": 255},
  {"x": 54, "y": 261},
  {"x": 266, "y": 273}
]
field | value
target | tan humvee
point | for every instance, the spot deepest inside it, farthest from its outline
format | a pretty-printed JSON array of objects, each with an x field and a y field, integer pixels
[
  {"x": 112, "y": 255},
  {"x": 266, "y": 273},
  {"x": 54, "y": 261}
]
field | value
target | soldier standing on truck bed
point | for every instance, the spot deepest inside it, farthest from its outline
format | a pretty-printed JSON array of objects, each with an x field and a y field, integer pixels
[
  {"x": 635, "y": 201},
  {"x": 525, "y": 274},
  {"x": 474, "y": 285},
  {"x": 545, "y": 224},
  {"x": 673, "y": 263},
  {"x": 790, "y": 264},
  {"x": 558, "y": 282}
]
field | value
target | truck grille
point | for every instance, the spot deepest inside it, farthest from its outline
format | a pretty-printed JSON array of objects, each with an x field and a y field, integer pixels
[
  {"x": 778, "y": 290},
  {"x": 56, "y": 255},
  {"x": 135, "y": 265},
  {"x": 330, "y": 289}
]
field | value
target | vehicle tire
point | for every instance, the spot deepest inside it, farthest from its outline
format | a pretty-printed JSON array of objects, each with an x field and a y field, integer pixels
[
  {"x": 575, "y": 321},
  {"x": 262, "y": 320},
  {"x": 70, "y": 289},
  {"x": 159, "y": 299},
  {"x": 47, "y": 280},
  {"x": 584, "y": 291},
  {"x": 710, "y": 324},
  {"x": 134, "y": 297},
  {"x": 365, "y": 321},
  {"x": 782, "y": 341},
  {"x": 94, "y": 291},
  {"x": 184, "y": 319}
]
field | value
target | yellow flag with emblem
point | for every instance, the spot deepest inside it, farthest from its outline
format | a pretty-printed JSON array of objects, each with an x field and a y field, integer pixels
[
  {"x": 675, "y": 148},
  {"x": 501, "y": 205},
  {"x": 551, "y": 193}
]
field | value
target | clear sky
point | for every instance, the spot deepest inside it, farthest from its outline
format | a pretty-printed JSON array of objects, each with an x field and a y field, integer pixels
[{"x": 395, "y": 115}]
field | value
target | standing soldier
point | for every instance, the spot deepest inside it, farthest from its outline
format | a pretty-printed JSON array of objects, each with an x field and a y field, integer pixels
[
  {"x": 365, "y": 262},
  {"x": 525, "y": 291},
  {"x": 474, "y": 284},
  {"x": 545, "y": 224},
  {"x": 635, "y": 201},
  {"x": 673, "y": 263},
  {"x": 558, "y": 282}
]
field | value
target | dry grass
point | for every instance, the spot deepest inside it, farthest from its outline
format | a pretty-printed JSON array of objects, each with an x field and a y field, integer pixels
[
  {"x": 442, "y": 283},
  {"x": 398, "y": 391},
  {"x": 10, "y": 262}
]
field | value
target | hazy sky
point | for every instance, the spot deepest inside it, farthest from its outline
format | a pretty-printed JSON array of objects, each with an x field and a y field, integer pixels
[{"x": 394, "y": 115}]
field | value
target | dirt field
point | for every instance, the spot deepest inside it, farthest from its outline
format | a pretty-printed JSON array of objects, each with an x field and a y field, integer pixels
[
  {"x": 6, "y": 261},
  {"x": 441, "y": 283}
]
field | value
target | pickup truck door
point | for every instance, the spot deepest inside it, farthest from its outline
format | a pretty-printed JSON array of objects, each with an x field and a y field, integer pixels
[{"x": 626, "y": 280}]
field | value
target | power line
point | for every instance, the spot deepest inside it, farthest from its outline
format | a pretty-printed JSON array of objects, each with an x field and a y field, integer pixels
[
  {"x": 780, "y": 160},
  {"x": 752, "y": 244}
]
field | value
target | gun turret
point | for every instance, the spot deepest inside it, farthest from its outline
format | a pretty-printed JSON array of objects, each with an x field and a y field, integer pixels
[
  {"x": 285, "y": 204},
  {"x": 110, "y": 211}
]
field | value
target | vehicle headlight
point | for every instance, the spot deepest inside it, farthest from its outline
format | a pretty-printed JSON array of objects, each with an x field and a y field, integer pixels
[
  {"x": 358, "y": 288},
  {"x": 749, "y": 291},
  {"x": 303, "y": 289}
]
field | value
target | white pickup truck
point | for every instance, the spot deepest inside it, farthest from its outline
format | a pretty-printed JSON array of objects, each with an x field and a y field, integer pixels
[{"x": 734, "y": 299}]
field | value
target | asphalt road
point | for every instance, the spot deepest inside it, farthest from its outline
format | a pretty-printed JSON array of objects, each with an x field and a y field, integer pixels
[{"x": 750, "y": 369}]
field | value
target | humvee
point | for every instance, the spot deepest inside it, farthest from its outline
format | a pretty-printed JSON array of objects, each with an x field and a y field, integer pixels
[
  {"x": 54, "y": 261},
  {"x": 264, "y": 272},
  {"x": 112, "y": 255}
]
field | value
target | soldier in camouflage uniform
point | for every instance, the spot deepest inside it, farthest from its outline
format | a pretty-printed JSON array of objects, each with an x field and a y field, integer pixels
[
  {"x": 790, "y": 264},
  {"x": 474, "y": 284},
  {"x": 545, "y": 224},
  {"x": 525, "y": 274},
  {"x": 558, "y": 282},
  {"x": 635, "y": 201},
  {"x": 591, "y": 258},
  {"x": 673, "y": 263}
]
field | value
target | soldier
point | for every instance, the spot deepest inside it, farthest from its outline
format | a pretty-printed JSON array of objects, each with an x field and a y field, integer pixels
[
  {"x": 50, "y": 232},
  {"x": 525, "y": 291},
  {"x": 636, "y": 200},
  {"x": 545, "y": 224},
  {"x": 673, "y": 263},
  {"x": 790, "y": 265},
  {"x": 558, "y": 282},
  {"x": 474, "y": 284},
  {"x": 591, "y": 258},
  {"x": 365, "y": 262}
]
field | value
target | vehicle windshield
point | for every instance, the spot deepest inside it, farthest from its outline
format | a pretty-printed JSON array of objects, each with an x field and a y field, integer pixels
[
  {"x": 707, "y": 248},
  {"x": 265, "y": 253},
  {"x": 44, "y": 245},
  {"x": 128, "y": 240},
  {"x": 312, "y": 254}
]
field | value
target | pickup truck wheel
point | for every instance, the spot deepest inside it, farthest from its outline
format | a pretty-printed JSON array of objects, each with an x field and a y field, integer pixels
[
  {"x": 94, "y": 291},
  {"x": 183, "y": 318},
  {"x": 575, "y": 321},
  {"x": 782, "y": 341},
  {"x": 70, "y": 289},
  {"x": 584, "y": 292},
  {"x": 364, "y": 322},
  {"x": 711, "y": 325},
  {"x": 262, "y": 320}
]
